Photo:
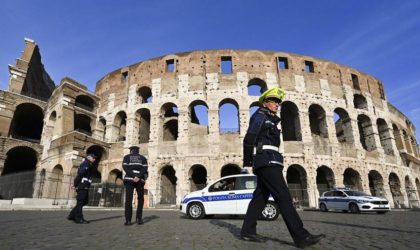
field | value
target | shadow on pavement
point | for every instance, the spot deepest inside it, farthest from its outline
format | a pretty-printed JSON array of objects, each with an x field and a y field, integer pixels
[
  {"x": 236, "y": 231},
  {"x": 364, "y": 226},
  {"x": 150, "y": 218},
  {"x": 106, "y": 218}
]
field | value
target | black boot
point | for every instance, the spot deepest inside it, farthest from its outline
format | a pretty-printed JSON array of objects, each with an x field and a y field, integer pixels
[
  {"x": 127, "y": 223},
  {"x": 139, "y": 222},
  {"x": 310, "y": 240}
]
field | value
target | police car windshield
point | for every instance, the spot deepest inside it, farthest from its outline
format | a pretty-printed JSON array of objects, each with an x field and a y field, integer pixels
[{"x": 355, "y": 193}]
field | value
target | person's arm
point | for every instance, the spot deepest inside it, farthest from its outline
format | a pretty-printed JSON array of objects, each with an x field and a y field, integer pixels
[
  {"x": 126, "y": 166},
  {"x": 81, "y": 172},
  {"x": 251, "y": 137},
  {"x": 146, "y": 172}
]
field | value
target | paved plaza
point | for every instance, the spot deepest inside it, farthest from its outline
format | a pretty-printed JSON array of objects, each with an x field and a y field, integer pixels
[{"x": 169, "y": 229}]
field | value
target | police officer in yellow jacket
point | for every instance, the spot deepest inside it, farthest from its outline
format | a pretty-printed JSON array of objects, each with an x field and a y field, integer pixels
[
  {"x": 261, "y": 151},
  {"x": 135, "y": 168},
  {"x": 81, "y": 184}
]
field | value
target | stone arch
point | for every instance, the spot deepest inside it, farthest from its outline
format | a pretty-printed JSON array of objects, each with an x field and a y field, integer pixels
[
  {"x": 352, "y": 179},
  {"x": 115, "y": 177},
  {"x": 198, "y": 113},
  {"x": 101, "y": 154},
  {"x": 290, "y": 122},
  {"x": 395, "y": 188},
  {"x": 376, "y": 183},
  {"x": 85, "y": 102},
  {"x": 318, "y": 121},
  {"x": 397, "y": 137},
  {"x": 411, "y": 192},
  {"x": 168, "y": 182},
  {"x": 169, "y": 116},
  {"x": 228, "y": 116},
  {"x": 297, "y": 182},
  {"x": 230, "y": 169},
  {"x": 407, "y": 141},
  {"x": 418, "y": 187},
  {"x": 360, "y": 102},
  {"x": 27, "y": 122},
  {"x": 366, "y": 134},
  {"x": 102, "y": 127},
  {"x": 82, "y": 124},
  {"x": 198, "y": 177},
  {"x": 55, "y": 180},
  {"x": 343, "y": 129},
  {"x": 20, "y": 159},
  {"x": 143, "y": 125},
  {"x": 325, "y": 179},
  {"x": 145, "y": 94},
  {"x": 384, "y": 136},
  {"x": 256, "y": 87},
  {"x": 119, "y": 127}
]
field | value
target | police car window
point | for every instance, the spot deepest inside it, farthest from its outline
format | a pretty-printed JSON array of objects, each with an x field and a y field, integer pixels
[
  {"x": 223, "y": 185},
  {"x": 327, "y": 194},
  {"x": 356, "y": 193},
  {"x": 246, "y": 182},
  {"x": 339, "y": 194}
]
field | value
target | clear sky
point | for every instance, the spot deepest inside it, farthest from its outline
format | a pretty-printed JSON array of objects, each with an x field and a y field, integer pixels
[{"x": 87, "y": 39}]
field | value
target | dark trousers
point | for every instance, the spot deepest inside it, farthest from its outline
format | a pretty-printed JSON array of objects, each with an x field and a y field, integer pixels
[
  {"x": 82, "y": 199},
  {"x": 129, "y": 188},
  {"x": 270, "y": 180}
]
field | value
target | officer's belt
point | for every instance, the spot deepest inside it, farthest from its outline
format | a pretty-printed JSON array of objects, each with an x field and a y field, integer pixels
[
  {"x": 267, "y": 147},
  {"x": 84, "y": 179}
]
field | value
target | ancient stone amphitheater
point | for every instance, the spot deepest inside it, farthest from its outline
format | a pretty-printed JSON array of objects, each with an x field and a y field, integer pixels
[{"x": 189, "y": 113}]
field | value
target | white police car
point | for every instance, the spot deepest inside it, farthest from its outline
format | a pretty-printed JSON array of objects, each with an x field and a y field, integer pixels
[
  {"x": 228, "y": 195},
  {"x": 352, "y": 201}
]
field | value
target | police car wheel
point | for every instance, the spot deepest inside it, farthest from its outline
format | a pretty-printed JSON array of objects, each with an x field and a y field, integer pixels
[
  {"x": 354, "y": 209},
  {"x": 195, "y": 211},
  {"x": 323, "y": 207},
  {"x": 270, "y": 212}
]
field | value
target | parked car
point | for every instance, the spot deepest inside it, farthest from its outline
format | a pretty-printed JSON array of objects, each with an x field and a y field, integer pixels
[
  {"x": 352, "y": 201},
  {"x": 227, "y": 195}
]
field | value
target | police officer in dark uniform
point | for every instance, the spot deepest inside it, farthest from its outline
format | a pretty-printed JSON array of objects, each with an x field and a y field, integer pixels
[
  {"x": 81, "y": 184},
  {"x": 261, "y": 151},
  {"x": 135, "y": 168}
]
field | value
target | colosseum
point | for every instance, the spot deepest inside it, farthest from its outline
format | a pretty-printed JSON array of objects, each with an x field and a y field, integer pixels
[{"x": 189, "y": 113}]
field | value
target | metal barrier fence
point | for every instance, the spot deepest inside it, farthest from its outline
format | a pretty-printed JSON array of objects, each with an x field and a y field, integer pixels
[{"x": 56, "y": 186}]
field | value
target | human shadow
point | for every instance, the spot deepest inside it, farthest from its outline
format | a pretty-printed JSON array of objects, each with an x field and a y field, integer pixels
[
  {"x": 236, "y": 232},
  {"x": 106, "y": 218},
  {"x": 150, "y": 218}
]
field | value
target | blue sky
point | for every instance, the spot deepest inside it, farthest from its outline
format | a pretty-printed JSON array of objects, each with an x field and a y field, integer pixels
[{"x": 87, "y": 39}]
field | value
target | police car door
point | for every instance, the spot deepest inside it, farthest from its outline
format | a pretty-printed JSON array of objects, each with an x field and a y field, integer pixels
[
  {"x": 221, "y": 198},
  {"x": 245, "y": 186}
]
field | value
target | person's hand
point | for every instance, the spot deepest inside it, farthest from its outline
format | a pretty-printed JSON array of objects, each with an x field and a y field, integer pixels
[{"x": 136, "y": 179}]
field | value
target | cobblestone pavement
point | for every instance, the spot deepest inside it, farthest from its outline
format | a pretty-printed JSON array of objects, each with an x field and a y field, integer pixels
[{"x": 171, "y": 230}]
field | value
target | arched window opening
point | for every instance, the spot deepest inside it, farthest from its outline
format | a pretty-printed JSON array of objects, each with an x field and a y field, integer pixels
[
  {"x": 318, "y": 122},
  {"x": 360, "y": 102},
  {"x": 384, "y": 136},
  {"x": 230, "y": 169},
  {"x": 253, "y": 108},
  {"x": 256, "y": 87},
  {"x": 168, "y": 183},
  {"x": 145, "y": 94},
  {"x": 395, "y": 188},
  {"x": 198, "y": 114},
  {"x": 55, "y": 181},
  {"x": 343, "y": 129},
  {"x": 290, "y": 122},
  {"x": 102, "y": 128},
  {"x": 407, "y": 142},
  {"x": 85, "y": 102},
  {"x": 115, "y": 177},
  {"x": 367, "y": 137},
  {"x": 169, "y": 114},
  {"x": 120, "y": 123},
  {"x": 27, "y": 122},
  {"x": 99, "y": 152},
  {"x": 325, "y": 180},
  {"x": 376, "y": 183},
  {"x": 397, "y": 136},
  {"x": 418, "y": 187},
  {"x": 228, "y": 116},
  {"x": 198, "y": 177},
  {"x": 297, "y": 182},
  {"x": 143, "y": 124},
  {"x": 82, "y": 124},
  {"x": 53, "y": 117},
  {"x": 352, "y": 179}
]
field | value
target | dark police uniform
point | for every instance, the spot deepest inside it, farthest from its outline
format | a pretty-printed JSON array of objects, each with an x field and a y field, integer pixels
[
  {"x": 134, "y": 165},
  {"x": 261, "y": 150},
  {"x": 82, "y": 183}
]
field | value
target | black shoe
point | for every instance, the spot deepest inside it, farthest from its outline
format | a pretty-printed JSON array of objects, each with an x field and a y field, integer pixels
[
  {"x": 70, "y": 218},
  {"x": 310, "y": 240},
  {"x": 139, "y": 222},
  {"x": 81, "y": 221},
  {"x": 85, "y": 221},
  {"x": 252, "y": 237},
  {"x": 127, "y": 223}
]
